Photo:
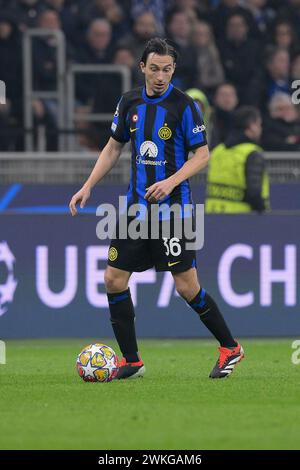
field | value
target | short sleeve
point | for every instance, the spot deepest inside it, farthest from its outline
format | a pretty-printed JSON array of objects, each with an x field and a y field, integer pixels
[
  {"x": 119, "y": 125},
  {"x": 193, "y": 127}
]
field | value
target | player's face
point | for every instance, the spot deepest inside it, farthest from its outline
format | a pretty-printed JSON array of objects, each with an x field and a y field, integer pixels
[{"x": 158, "y": 72}]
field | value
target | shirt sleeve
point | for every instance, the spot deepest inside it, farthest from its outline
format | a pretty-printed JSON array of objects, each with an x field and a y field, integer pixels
[
  {"x": 254, "y": 169},
  {"x": 193, "y": 127},
  {"x": 119, "y": 126}
]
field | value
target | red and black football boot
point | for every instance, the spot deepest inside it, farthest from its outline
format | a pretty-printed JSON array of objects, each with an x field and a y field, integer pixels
[
  {"x": 130, "y": 370},
  {"x": 228, "y": 359}
]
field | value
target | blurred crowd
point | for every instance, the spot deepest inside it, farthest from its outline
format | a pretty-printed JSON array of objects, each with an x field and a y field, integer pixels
[{"x": 231, "y": 53}]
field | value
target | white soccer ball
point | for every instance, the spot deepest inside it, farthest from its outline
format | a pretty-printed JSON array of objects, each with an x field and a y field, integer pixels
[{"x": 97, "y": 363}]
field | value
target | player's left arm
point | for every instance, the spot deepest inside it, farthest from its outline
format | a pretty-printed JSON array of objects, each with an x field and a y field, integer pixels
[{"x": 196, "y": 163}]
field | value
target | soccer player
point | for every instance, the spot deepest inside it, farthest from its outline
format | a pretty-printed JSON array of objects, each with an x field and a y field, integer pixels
[{"x": 164, "y": 125}]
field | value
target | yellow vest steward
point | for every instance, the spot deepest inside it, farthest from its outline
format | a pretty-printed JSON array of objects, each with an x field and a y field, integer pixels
[{"x": 226, "y": 179}]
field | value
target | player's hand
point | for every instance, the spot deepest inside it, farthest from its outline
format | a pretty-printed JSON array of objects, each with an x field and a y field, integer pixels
[
  {"x": 80, "y": 197},
  {"x": 158, "y": 191}
]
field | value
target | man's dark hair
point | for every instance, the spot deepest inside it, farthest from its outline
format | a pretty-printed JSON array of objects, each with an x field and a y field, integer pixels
[
  {"x": 160, "y": 47},
  {"x": 245, "y": 116}
]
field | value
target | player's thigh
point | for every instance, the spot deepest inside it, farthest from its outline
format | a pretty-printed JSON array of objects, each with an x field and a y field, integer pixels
[
  {"x": 116, "y": 280},
  {"x": 187, "y": 283},
  {"x": 129, "y": 254}
]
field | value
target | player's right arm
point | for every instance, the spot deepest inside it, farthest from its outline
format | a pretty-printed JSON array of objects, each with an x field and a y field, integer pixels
[{"x": 107, "y": 159}]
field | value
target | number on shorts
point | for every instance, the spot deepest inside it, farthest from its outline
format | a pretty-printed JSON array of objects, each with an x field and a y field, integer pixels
[{"x": 172, "y": 246}]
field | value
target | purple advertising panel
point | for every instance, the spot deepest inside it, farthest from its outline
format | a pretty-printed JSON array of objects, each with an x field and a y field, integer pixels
[{"x": 52, "y": 279}]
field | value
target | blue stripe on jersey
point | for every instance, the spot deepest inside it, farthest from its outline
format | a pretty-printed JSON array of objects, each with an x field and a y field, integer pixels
[
  {"x": 189, "y": 124},
  {"x": 160, "y": 170},
  {"x": 160, "y": 119},
  {"x": 199, "y": 110},
  {"x": 180, "y": 159},
  {"x": 130, "y": 189},
  {"x": 141, "y": 175}
]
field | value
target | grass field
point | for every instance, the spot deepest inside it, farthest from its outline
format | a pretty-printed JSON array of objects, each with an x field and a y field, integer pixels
[{"x": 45, "y": 405}]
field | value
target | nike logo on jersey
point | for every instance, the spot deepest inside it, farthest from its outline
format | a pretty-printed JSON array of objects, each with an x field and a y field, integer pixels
[
  {"x": 133, "y": 130},
  {"x": 172, "y": 264}
]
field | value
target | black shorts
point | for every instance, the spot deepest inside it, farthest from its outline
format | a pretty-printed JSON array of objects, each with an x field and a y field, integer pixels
[{"x": 164, "y": 253}]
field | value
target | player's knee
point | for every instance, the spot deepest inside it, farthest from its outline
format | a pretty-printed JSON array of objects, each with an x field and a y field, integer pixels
[
  {"x": 113, "y": 282},
  {"x": 183, "y": 289},
  {"x": 187, "y": 290}
]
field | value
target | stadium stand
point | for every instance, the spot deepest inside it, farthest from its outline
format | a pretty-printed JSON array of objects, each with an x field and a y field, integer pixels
[{"x": 213, "y": 38}]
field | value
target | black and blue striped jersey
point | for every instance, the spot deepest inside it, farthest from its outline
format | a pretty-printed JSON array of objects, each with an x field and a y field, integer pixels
[{"x": 163, "y": 130}]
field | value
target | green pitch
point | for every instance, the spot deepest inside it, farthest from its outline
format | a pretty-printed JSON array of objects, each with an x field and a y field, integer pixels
[{"x": 45, "y": 405}]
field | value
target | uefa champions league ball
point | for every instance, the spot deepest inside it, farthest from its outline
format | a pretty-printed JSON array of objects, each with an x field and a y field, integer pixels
[{"x": 97, "y": 363}]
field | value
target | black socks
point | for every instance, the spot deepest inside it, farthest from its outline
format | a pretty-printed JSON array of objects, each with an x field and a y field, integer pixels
[
  {"x": 212, "y": 318},
  {"x": 122, "y": 319}
]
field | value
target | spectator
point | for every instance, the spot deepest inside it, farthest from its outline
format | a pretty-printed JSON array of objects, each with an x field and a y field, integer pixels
[
  {"x": 70, "y": 20},
  {"x": 180, "y": 31},
  {"x": 45, "y": 76},
  {"x": 225, "y": 102},
  {"x": 104, "y": 102},
  {"x": 236, "y": 179},
  {"x": 242, "y": 28},
  {"x": 11, "y": 61},
  {"x": 97, "y": 47},
  {"x": 262, "y": 14},
  {"x": 227, "y": 8},
  {"x": 156, "y": 7},
  {"x": 278, "y": 73},
  {"x": 291, "y": 11},
  {"x": 125, "y": 56},
  {"x": 55, "y": 4},
  {"x": 44, "y": 52},
  {"x": 113, "y": 12},
  {"x": 193, "y": 9},
  {"x": 144, "y": 28},
  {"x": 203, "y": 103},
  {"x": 282, "y": 126},
  {"x": 285, "y": 37},
  {"x": 11, "y": 74},
  {"x": 240, "y": 56},
  {"x": 27, "y": 12},
  {"x": 201, "y": 7},
  {"x": 295, "y": 67},
  {"x": 210, "y": 72}
]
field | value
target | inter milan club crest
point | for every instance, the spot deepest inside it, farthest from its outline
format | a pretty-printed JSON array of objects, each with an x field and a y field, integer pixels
[
  {"x": 112, "y": 254},
  {"x": 165, "y": 132}
]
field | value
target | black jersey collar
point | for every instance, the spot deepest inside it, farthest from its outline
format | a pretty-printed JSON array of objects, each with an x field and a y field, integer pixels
[{"x": 159, "y": 98}]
